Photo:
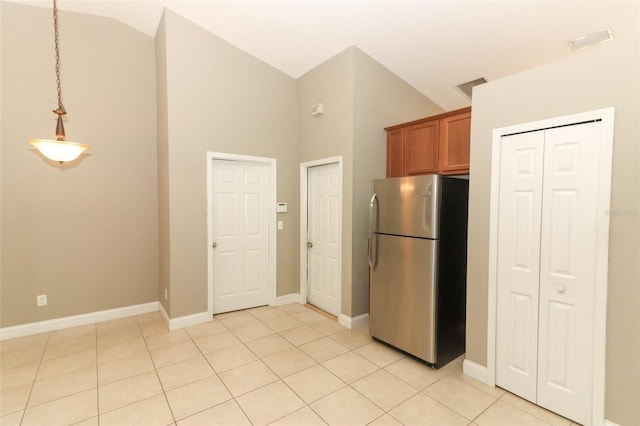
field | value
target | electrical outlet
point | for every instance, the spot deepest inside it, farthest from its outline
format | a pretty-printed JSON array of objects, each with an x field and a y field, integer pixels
[
  {"x": 165, "y": 294},
  {"x": 41, "y": 300}
]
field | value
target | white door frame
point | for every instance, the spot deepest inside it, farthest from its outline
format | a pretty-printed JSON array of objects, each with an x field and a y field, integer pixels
[
  {"x": 271, "y": 229},
  {"x": 602, "y": 255},
  {"x": 303, "y": 223}
]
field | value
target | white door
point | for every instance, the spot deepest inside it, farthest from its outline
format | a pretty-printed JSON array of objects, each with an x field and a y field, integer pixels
[
  {"x": 240, "y": 235},
  {"x": 567, "y": 270},
  {"x": 547, "y": 226},
  {"x": 519, "y": 262},
  {"x": 324, "y": 237}
]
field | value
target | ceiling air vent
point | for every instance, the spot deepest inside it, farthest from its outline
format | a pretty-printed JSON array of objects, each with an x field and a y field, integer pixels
[
  {"x": 591, "y": 39},
  {"x": 466, "y": 88}
]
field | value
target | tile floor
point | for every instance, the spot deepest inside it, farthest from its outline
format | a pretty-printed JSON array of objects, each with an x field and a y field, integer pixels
[{"x": 283, "y": 366}]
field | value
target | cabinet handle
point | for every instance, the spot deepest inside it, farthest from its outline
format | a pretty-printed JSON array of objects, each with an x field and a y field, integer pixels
[{"x": 560, "y": 289}]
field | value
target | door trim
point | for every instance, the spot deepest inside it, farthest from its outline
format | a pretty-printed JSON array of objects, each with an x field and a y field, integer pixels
[
  {"x": 303, "y": 222},
  {"x": 271, "y": 164},
  {"x": 606, "y": 115}
]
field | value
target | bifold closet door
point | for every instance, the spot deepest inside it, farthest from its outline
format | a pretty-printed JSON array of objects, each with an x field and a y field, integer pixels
[
  {"x": 519, "y": 220},
  {"x": 547, "y": 226},
  {"x": 567, "y": 270}
]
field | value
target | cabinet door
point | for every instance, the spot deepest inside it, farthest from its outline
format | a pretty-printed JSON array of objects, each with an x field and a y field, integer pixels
[
  {"x": 421, "y": 148},
  {"x": 455, "y": 137},
  {"x": 395, "y": 153}
]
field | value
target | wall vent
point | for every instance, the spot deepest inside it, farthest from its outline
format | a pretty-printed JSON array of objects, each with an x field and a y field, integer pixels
[{"x": 467, "y": 88}]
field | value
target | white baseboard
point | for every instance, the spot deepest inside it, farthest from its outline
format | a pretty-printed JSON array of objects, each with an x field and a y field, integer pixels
[
  {"x": 76, "y": 320},
  {"x": 610, "y": 423},
  {"x": 164, "y": 314},
  {"x": 353, "y": 322},
  {"x": 475, "y": 371},
  {"x": 185, "y": 321},
  {"x": 189, "y": 320},
  {"x": 289, "y": 298}
]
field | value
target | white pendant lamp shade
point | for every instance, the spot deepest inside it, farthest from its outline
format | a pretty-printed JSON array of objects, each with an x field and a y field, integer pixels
[{"x": 59, "y": 151}]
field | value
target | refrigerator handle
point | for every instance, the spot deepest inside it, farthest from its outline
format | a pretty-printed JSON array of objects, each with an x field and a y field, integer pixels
[
  {"x": 372, "y": 204},
  {"x": 430, "y": 206},
  {"x": 373, "y": 251},
  {"x": 373, "y": 238}
]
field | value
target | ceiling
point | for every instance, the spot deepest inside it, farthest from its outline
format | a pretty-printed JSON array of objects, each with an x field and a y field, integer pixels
[{"x": 433, "y": 45}]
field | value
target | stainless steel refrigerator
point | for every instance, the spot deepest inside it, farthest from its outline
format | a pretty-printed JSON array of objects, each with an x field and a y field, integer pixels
[{"x": 417, "y": 265}]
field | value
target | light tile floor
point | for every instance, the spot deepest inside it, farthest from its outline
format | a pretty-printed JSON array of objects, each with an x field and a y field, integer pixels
[{"x": 281, "y": 366}]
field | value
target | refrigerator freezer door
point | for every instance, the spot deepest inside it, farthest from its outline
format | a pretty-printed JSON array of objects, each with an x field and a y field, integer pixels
[
  {"x": 406, "y": 206},
  {"x": 403, "y": 286}
]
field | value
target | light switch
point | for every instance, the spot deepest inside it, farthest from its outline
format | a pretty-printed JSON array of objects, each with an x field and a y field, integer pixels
[{"x": 280, "y": 225}]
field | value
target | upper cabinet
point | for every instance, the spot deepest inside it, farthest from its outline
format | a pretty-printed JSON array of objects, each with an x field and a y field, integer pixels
[
  {"x": 395, "y": 152},
  {"x": 454, "y": 143},
  {"x": 421, "y": 148},
  {"x": 438, "y": 144}
]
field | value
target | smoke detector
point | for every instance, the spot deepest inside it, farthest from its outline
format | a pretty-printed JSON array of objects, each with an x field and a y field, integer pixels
[{"x": 467, "y": 88}]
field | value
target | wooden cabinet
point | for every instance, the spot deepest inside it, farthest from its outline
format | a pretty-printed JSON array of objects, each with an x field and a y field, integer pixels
[
  {"x": 438, "y": 144},
  {"x": 454, "y": 138},
  {"x": 421, "y": 148},
  {"x": 395, "y": 153}
]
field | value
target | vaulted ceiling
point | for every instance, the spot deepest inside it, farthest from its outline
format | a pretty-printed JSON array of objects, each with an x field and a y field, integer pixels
[{"x": 433, "y": 45}]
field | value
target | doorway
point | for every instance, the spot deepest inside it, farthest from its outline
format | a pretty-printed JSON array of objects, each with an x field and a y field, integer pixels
[
  {"x": 321, "y": 234},
  {"x": 550, "y": 191},
  {"x": 241, "y": 227}
]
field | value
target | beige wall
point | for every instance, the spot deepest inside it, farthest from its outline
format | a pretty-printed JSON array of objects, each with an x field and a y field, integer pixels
[
  {"x": 381, "y": 99},
  {"x": 84, "y": 233},
  {"x": 360, "y": 98},
  {"x": 605, "y": 76},
  {"x": 329, "y": 135},
  {"x": 218, "y": 98},
  {"x": 163, "y": 166}
]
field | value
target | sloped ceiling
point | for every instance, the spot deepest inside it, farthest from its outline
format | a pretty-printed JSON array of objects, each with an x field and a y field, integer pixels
[{"x": 433, "y": 45}]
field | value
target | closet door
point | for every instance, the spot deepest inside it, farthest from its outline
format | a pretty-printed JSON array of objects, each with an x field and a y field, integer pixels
[
  {"x": 519, "y": 218},
  {"x": 567, "y": 270},
  {"x": 546, "y": 277}
]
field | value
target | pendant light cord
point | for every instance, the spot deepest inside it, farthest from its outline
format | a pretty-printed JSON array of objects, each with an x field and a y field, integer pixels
[{"x": 60, "y": 109}]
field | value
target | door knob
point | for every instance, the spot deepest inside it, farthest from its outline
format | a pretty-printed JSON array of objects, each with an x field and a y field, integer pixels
[
  {"x": 309, "y": 244},
  {"x": 560, "y": 289},
  {"x": 215, "y": 245}
]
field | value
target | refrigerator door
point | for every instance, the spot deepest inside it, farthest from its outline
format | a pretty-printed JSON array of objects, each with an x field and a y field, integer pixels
[
  {"x": 406, "y": 206},
  {"x": 403, "y": 294}
]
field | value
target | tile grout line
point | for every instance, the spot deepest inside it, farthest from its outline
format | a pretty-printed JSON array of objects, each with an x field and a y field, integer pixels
[
  {"x": 281, "y": 379},
  {"x": 323, "y": 335},
  {"x": 98, "y": 379},
  {"x": 155, "y": 370},
  {"x": 33, "y": 383},
  {"x": 233, "y": 398},
  {"x": 35, "y": 379},
  {"x": 569, "y": 422},
  {"x": 346, "y": 385}
]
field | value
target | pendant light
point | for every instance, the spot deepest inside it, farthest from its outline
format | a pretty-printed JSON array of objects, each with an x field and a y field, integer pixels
[{"x": 59, "y": 150}]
